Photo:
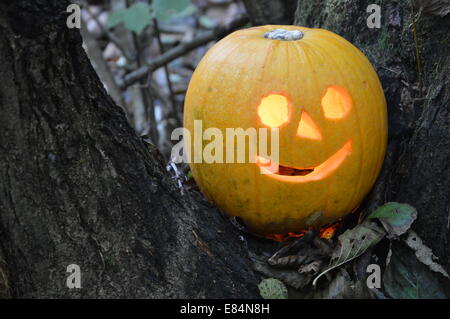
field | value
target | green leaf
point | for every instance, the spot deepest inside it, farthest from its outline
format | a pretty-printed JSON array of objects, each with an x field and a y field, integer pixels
[
  {"x": 116, "y": 17},
  {"x": 396, "y": 218},
  {"x": 406, "y": 277},
  {"x": 138, "y": 17},
  {"x": 166, "y": 10},
  {"x": 272, "y": 288},
  {"x": 353, "y": 243}
]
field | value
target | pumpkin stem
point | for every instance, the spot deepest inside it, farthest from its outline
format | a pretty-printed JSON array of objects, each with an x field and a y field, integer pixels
[{"x": 284, "y": 35}]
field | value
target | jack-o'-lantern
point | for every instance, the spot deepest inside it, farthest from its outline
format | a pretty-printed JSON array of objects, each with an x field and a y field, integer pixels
[{"x": 327, "y": 102}]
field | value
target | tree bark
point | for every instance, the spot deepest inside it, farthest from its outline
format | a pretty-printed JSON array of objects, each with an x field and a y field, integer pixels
[
  {"x": 77, "y": 186},
  {"x": 270, "y": 12},
  {"x": 410, "y": 54}
]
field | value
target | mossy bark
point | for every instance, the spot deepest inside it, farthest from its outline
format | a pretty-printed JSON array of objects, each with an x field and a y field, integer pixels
[
  {"x": 270, "y": 11},
  {"x": 410, "y": 54}
]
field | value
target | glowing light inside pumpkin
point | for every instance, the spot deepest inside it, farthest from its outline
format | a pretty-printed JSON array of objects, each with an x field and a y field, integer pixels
[
  {"x": 274, "y": 110},
  {"x": 336, "y": 102},
  {"x": 328, "y": 232},
  {"x": 319, "y": 172},
  {"x": 325, "y": 232},
  {"x": 280, "y": 238},
  {"x": 308, "y": 129}
]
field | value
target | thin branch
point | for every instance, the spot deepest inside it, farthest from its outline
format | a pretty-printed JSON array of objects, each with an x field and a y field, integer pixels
[
  {"x": 147, "y": 97},
  {"x": 111, "y": 36},
  {"x": 166, "y": 71},
  {"x": 181, "y": 50},
  {"x": 172, "y": 29}
]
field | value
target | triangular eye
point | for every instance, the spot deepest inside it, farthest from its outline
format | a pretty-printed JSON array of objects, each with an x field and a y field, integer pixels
[
  {"x": 307, "y": 128},
  {"x": 336, "y": 103}
]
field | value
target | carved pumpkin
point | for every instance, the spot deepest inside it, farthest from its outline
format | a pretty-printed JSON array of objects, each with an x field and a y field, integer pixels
[{"x": 327, "y": 101}]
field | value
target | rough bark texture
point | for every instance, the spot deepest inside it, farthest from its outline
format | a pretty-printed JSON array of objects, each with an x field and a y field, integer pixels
[
  {"x": 412, "y": 59},
  {"x": 78, "y": 186},
  {"x": 270, "y": 12}
]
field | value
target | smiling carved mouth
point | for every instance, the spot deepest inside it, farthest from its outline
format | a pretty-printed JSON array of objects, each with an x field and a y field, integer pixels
[{"x": 301, "y": 175}]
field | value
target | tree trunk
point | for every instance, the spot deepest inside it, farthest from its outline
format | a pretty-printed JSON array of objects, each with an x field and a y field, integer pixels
[
  {"x": 270, "y": 11},
  {"x": 410, "y": 54},
  {"x": 77, "y": 186}
]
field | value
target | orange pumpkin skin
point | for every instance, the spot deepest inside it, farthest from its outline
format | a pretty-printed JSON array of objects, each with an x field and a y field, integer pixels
[{"x": 226, "y": 91}]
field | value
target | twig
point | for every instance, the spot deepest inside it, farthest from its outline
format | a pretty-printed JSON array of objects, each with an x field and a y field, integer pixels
[
  {"x": 172, "y": 29},
  {"x": 182, "y": 49},
  {"x": 111, "y": 36},
  {"x": 172, "y": 109},
  {"x": 291, "y": 261},
  {"x": 146, "y": 96}
]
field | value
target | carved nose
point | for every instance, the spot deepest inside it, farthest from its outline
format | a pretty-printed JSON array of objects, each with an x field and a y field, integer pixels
[{"x": 308, "y": 129}]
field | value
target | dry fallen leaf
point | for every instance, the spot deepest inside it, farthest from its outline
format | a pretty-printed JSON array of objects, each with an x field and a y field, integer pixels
[
  {"x": 311, "y": 268},
  {"x": 353, "y": 243},
  {"x": 396, "y": 218},
  {"x": 424, "y": 253}
]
